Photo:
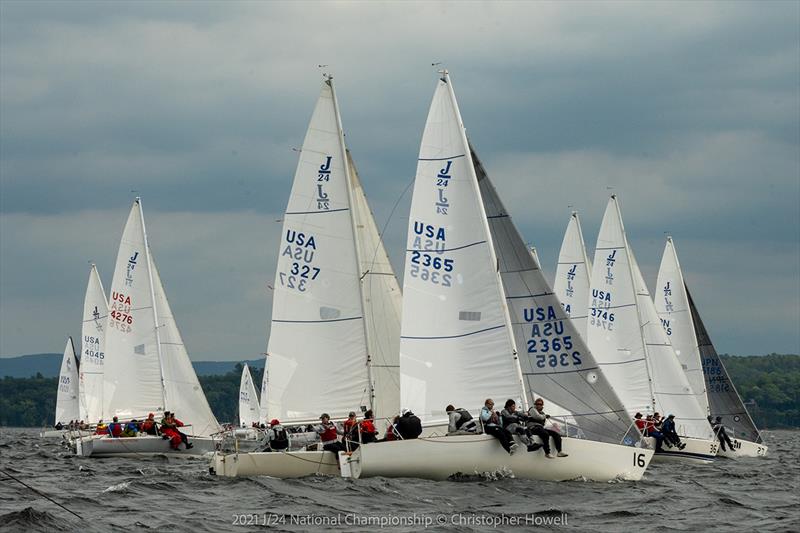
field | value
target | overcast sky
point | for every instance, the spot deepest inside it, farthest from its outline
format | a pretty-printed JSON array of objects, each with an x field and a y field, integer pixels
[{"x": 690, "y": 111}]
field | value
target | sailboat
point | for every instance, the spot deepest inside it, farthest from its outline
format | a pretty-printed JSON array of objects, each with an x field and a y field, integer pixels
[
  {"x": 67, "y": 398},
  {"x": 473, "y": 295},
  {"x": 95, "y": 315},
  {"x": 249, "y": 408},
  {"x": 633, "y": 350},
  {"x": 336, "y": 309},
  {"x": 146, "y": 366},
  {"x": 572, "y": 275},
  {"x": 706, "y": 374}
]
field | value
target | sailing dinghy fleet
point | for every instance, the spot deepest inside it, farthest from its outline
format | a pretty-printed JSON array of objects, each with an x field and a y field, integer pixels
[{"x": 476, "y": 318}]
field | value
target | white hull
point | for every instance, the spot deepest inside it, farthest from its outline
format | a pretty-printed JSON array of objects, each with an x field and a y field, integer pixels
[
  {"x": 696, "y": 450},
  {"x": 275, "y": 464},
  {"x": 743, "y": 448},
  {"x": 439, "y": 458},
  {"x": 248, "y": 433},
  {"x": 104, "y": 446},
  {"x": 63, "y": 434}
]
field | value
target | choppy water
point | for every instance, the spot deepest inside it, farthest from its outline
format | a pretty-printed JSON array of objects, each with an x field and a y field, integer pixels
[{"x": 180, "y": 495}]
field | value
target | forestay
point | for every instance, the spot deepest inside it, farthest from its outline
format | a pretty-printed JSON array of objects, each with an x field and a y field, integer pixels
[
  {"x": 455, "y": 346},
  {"x": 248, "y": 400},
  {"x": 95, "y": 315},
  {"x": 672, "y": 305},
  {"x": 723, "y": 398},
  {"x": 317, "y": 347},
  {"x": 572, "y": 283},
  {"x": 554, "y": 358},
  {"x": 67, "y": 400},
  {"x": 382, "y": 303}
]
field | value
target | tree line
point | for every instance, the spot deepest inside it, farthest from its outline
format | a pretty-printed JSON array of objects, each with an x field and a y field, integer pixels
[{"x": 770, "y": 385}]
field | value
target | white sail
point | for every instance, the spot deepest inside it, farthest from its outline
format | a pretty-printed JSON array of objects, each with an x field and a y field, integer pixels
[
  {"x": 572, "y": 283},
  {"x": 672, "y": 304},
  {"x": 263, "y": 404},
  {"x": 248, "y": 400},
  {"x": 67, "y": 399},
  {"x": 554, "y": 358},
  {"x": 382, "y": 301},
  {"x": 455, "y": 346},
  {"x": 317, "y": 347},
  {"x": 95, "y": 315},
  {"x": 626, "y": 337},
  {"x": 147, "y": 368}
]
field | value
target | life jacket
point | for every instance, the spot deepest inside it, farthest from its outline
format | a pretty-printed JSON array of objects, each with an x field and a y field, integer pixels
[
  {"x": 464, "y": 418},
  {"x": 115, "y": 429},
  {"x": 409, "y": 426},
  {"x": 640, "y": 424},
  {"x": 102, "y": 429},
  {"x": 280, "y": 440},
  {"x": 367, "y": 427},
  {"x": 350, "y": 430},
  {"x": 148, "y": 424},
  {"x": 328, "y": 433}
]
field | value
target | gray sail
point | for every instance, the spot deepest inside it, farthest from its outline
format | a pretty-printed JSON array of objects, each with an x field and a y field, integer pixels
[
  {"x": 555, "y": 361},
  {"x": 723, "y": 399}
]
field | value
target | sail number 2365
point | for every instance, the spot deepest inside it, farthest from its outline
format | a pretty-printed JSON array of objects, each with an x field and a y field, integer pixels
[{"x": 430, "y": 267}]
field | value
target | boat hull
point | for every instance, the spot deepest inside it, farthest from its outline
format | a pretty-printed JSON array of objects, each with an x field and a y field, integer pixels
[
  {"x": 104, "y": 446},
  {"x": 64, "y": 433},
  {"x": 696, "y": 450},
  {"x": 275, "y": 464},
  {"x": 440, "y": 458},
  {"x": 743, "y": 448}
]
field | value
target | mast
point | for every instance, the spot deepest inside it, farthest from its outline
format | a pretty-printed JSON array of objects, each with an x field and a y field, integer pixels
[
  {"x": 343, "y": 149},
  {"x": 485, "y": 223},
  {"x": 153, "y": 300}
]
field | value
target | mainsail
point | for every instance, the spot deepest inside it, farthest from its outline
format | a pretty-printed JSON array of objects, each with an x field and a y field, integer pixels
[
  {"x": 330, "y": 341},
  {"x": 95, "y": 315},
  {"x": 723, "y": 398},
  {"x": 67, "y": 401},
  {"x": 248, "y": 399},
  {"x": 555, "y": 360},
  {"x": 672, "y": 304},
  {"x": 263, "y": 403},
  {"x": 572, "y": 283},
  {"x": 147, "y": 368},
  {"x": 626, "y": 336},
  {"x": 455, "y": 345}
]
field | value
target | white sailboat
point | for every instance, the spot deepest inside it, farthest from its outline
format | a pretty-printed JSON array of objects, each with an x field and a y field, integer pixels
[
  {"x": 474, "y": 293},
  {"x": 336, "y": 307},
  {"x": 573, "y": 272},
  {"x": 704, "y": 370},
  {"x": 249, "y": 408},
  {"x": 626, "y": 336},
  {"x": 95, "y": 316},
  {"x": 68, "y": 396},
  {"x": 146, "y": 366}
]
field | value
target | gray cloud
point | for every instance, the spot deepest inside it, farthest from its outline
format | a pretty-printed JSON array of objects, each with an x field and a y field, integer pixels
[{"x": 689, "y": 110}]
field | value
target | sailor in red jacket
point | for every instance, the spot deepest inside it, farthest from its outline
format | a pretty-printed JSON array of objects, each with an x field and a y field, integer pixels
[
  {"x": 115, "y": 428},
  {"x": 169, "y": 428}
]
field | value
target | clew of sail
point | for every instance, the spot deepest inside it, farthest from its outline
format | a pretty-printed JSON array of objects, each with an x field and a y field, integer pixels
[
  {"x": 723, "y": 398},
  {"x": 95, "y": 315},
  {"x": 248, "y": 399},
  {"x": 455, "y": 346},
  {"x": 554, "y": 358},
  {"x": 67, "y": 399},
  {"x": 317, "y": 347},
  {"x": 672, "y": 305},
  {"x": 572, "y": 283}
]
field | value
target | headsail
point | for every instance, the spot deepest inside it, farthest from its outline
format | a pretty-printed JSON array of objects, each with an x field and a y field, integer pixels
[
  {"x": 67, "y": 401},
  {"x": 147, "y": 368},
  {"x": 723, "y": 398},
  {"x": 455, "y": 346},
  {"x": 573, "y": 272},
  {"x": 672, "y": 304},
  {"x": 554, "y": 358},
  {"x": 317, "y": 347},
  {"x": 95, "y": 315},
  {"x": 382, "y": 301},
  {"x": 248, "y": 400},
  {"x": 264, "y": 398}
]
